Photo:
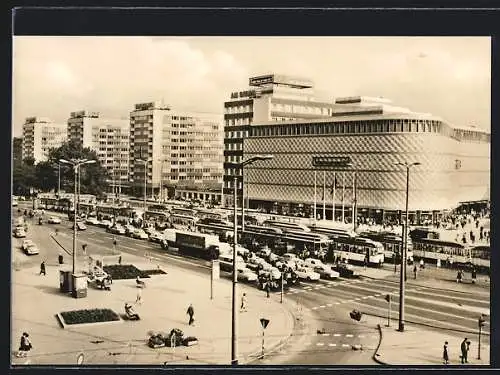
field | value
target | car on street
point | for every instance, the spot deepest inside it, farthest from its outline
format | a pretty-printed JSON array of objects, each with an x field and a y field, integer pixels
[
  {"x": 105, "y": 223},
  {"x": 79, "y": 226},
  {"x": 139, "y": 234},
  {"x": 32, "y": 250},
  {"x": 26, "y": 243},
  {"x": 20, "y": 233},
  {"x": 156, "y": 237},
  {"x": 305, "y": 273},
  {"x": 54, "y": 220},
  {"x": 313, "y": 262},
  {"x": 247, "y": 275},
  {"x": 325, "y": 272},
  {"x": 289, "y": 256},
  {"x": 149, "y": 230},
  {"x": 14, "y": 203},
  {"x": 345, "y": 270},
  {"x": 92, "y": 221},
  {"x": 116, "y": 229},
  {"x": 272, "y": 272}
]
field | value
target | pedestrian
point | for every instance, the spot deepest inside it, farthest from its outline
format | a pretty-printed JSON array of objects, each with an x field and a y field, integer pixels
[
  {"x": 464, "y": 347},
  {"x": 190, "y": 312},
  {"x": 120, "y": 260},
  {"x": 42, "y": 268},
  {"x": 415, "y": 272},
  {"x": 60, "y": 259},
  {"x": 243, "y": 306},
  {"x": 422, "y": 264},
  {"x": 84, "y": 248},
  {"x": 268, "y": 288},
  {"x": 25, "y": 345},
  {"x": 473, "y": 275},
  {"x": 365, "y": 262},
  {"x": 445, "y": 353},
  {"x": 138, "y": 299},
  {"x": 459, "y": 276}
]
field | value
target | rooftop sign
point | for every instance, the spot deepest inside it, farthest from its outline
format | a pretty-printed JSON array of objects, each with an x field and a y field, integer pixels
[{"x": 332, "y": 161}]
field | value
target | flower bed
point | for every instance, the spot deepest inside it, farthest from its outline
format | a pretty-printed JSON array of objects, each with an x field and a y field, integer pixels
[
  {"x": 124, "y": 271},
  {"x": 156, "y": 271},
  {"x": 89, "y": 316}
]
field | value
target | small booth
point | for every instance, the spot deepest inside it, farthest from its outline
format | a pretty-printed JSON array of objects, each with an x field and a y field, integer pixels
[
  {"x": 65, "y": 281},
  {"x": 79, "y": 282}
]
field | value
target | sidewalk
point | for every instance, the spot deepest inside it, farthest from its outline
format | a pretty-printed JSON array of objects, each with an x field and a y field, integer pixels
[
  {"x": 36, "y": 300},
  {"x": 416, "y": 346}
]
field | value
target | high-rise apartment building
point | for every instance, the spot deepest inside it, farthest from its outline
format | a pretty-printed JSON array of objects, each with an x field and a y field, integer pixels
[
  {"x": 179, "y": 148},
  {"x": 270, "y": 98},
  {"x": 109, "y": 138},
  {"x": 39, "y": 136}
]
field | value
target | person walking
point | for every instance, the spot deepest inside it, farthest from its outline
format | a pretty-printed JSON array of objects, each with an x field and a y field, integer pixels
[
  {"x": 464, "y": 347},
  {"x": 42, "y": 268},
  {"x": 60, "y": 259},
  {"x": 84, "y": 248},
  {"x": 190, "y": 312},
  {"x": 138, "y": 299},
  {"x": 473, "y": 275},
  {"x": 445, "y": 353},
  {"x": 415, "y": 272},
  {"x": 243, "y": 306},
  {"x": 268, "y": 288},
  {"x": 120, "y": 260},
  {"x": 25, "y": 345},
  {"x": 365, "y": 262},
  {"x": 459, "y": 276}
]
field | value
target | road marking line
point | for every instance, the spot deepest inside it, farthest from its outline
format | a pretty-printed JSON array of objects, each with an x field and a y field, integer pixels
[
  {"x": 325, "y": 334},
  {"x": 349, "y": 335},
  {"x": 332, "y": 344},
  {"x": 338, "y": 303},
  {"x": 322, "y": 306},
  {"x": 329, "y": 304},
  {"x": 361, "y": 336},
  {"x": 320, "y": 344},
  {"x": 314, "y": 308},
  {"x": 365, "y": 297},
  {"x": 357, "y": 299},
  {"x": 345, "y": 345},
  {"x": 337, "y": 334}
]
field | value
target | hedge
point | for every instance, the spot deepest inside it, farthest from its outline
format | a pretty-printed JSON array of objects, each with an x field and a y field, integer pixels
[{"x": 89, "y": 316}]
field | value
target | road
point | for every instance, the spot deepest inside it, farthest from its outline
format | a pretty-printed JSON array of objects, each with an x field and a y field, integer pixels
[{"x": 327, "y": 302}]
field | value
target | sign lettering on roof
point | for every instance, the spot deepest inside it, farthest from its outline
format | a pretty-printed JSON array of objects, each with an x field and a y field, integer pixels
[{"x": 332, "y": 161}]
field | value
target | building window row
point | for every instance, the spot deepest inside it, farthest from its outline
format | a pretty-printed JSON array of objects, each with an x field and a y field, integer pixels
[
  {"x": 236, "y": 134},
  {"x": 238, "y": 109},
  {"x": 233, "y": 146},
  {"x": 239, "y": 121}
]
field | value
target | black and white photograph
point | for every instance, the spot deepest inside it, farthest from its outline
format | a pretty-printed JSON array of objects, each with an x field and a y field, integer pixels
[{"x": 250, "y": 200}]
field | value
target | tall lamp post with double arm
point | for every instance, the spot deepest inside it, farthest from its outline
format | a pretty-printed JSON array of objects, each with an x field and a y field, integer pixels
[
  {"x": 76, "y": 164},
  {"x": 402, "y": 276},
  {"x": 234, "y": 313}
]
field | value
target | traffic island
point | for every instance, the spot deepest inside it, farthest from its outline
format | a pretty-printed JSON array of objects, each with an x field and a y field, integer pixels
[
  {"x": 86, "y": 317},
  {"x": 124, "y": 272}
]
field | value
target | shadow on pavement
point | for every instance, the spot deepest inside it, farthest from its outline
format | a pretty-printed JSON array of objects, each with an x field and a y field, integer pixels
[{"x": 51, "y": 290}]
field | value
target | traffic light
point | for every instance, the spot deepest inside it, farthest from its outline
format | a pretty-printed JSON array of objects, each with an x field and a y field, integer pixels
[
  {"x": 481, "y": 321},
  {"x": 356, "y": 315}
]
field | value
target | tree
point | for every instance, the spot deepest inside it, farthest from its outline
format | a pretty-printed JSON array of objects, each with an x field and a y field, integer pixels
[
  {"x": 93, "y": 177},
  {"x": 23, "y": 176}
]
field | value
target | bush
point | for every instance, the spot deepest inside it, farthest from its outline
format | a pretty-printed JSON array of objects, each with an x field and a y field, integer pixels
[
  {"x": 124, "y": 271},
  {"x": 89, "y": 316},
  {"x": 154, "y": 272}
]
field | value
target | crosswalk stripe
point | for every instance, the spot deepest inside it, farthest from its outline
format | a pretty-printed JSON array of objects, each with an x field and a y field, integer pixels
[
  {"x": 349, "y": 335},
  {"x": 345, "y": 345},
  {"x": 332, "y": 344},
  {"x": 337, "y": 334},
  {"x": 320, "y": 344}
]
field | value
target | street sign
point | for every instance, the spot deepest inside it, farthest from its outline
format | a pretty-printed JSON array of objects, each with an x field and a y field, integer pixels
[
  {"x": 215, "y": 270},
  {"x": 264, "y": 322}
]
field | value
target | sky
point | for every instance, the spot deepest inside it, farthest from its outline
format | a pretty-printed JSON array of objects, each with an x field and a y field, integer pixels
[{"x": 449, "y": 77}]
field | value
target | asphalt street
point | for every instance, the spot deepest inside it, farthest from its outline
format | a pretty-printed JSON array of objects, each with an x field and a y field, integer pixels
[{"x": 325, "y": 303}]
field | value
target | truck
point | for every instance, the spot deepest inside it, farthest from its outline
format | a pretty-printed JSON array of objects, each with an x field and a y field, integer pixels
[{"x": 198, "y": 245}]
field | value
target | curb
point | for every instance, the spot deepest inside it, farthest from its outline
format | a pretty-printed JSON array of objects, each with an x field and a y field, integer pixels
[
  {"x": 274, "y": 347},
  {"x": 375, "y": 354}
]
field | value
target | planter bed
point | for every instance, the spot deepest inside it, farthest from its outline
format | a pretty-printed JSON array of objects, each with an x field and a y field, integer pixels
[
  {"x": 77, "y": 318},
  {"x": 154, "y": 272},
  {"x": 124, "y": 271}
]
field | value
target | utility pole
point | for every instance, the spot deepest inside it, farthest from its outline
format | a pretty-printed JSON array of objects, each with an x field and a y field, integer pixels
[{"x": 234, "y": 322}]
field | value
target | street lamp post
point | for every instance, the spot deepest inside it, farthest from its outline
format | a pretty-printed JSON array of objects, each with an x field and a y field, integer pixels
[
  {"x": 59, "y": 179},
  {"x": 145, "y": 162},
  {"x": 402, "y": 275},
  {"x": 234, "y": 320},
  {"x": 76, "y": 163}
]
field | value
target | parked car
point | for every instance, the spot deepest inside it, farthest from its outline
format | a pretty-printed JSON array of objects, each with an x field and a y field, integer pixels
[
  {"x": 140, "y": 234},
  {"x": 54, "y": 220},
  {"x": 305, "y": 273},
  {"x": 129, "y": 229},
  {"x": 20, "y": 233},
  {"x": 116, "y": 229},
  {"x": 290, "y": 256},
  {"x": 105, "y": 223},
  {"x": 156, "y": 237},
  {"x": 32, "y": 250},
  {"x": 79, "y": 226},
  {"x": 245, "y": 274},
  {"x": 312, "y": 262},
  {"x": 92, "y": 221},
  {"x": 26, "y": 243},
  {"x": 345, "y": 270},
  {"x": 272, "y": 272},
  {"x": 326, "y": 272}
]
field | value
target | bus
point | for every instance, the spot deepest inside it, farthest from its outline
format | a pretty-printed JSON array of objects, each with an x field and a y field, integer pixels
[
  {"x": 393, "y": 245},
  {"x": 223, "y": 231},
  {"x": 182, "y": 221},
  {"x": 182, "y": 211},
  {"x": 211, "y": 215},
  {"x": 154, "y": 215},
  {"x": 433, "y": 249},
  {"x": 332, "y": 231},
  {"x": 356, "y": 250},
  {"x": 481, "y": 256},
  {"x": 286, "y": 227},
  {"x": 204, "y": 246},
  {"x": 313, "y": 242}
]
